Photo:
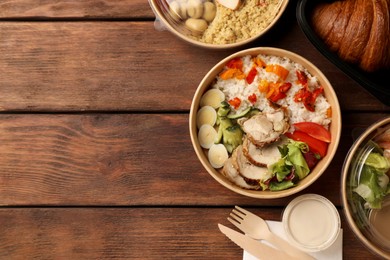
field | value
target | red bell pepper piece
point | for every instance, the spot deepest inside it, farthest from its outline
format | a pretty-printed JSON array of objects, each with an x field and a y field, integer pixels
[
  {"x": 314, "y": 130},
  {"x": 279, "y": 92},
  {"x": 235, "y": 102},
  {"x": 315, "y": 145},
  {"x": 235, "y": 63},
  {"x": 252, "y": 98},
  {"x": 302, "y": 77},
  {"x": 307, "y": 97},
  {"x": 251, "y": 75}
]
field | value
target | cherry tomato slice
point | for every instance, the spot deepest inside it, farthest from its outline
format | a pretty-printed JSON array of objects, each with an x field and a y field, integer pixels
[
  {"x": 314, "y": 130},
  {"x": 315, "y": 145}
]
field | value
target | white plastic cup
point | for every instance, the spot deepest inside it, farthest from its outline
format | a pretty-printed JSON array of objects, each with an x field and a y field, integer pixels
[{"x": 311, "y": 222}]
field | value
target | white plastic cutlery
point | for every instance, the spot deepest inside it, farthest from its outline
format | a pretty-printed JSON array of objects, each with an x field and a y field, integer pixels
[
  {"x": 254, "y": 247},
  {"x": 256, "y": 227}
]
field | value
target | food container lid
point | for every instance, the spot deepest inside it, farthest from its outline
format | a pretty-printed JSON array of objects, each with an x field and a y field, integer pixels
[{"x": 311, "y": 222}]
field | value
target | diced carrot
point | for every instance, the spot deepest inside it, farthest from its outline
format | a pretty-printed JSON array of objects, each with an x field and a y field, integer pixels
[
  {"x": 278, "y": 70},
  {"x": 259, "y": 62},
  {"x": 240, "y": 75},
  {"x": 273, "y": 88},
  {"x": 227, "y": 74},
  {"x": 263, "y": 86},
  {"x": 329, "y": 112},
  {"x": 232, "y": 73},
  {"x": 271, "y": 91}
]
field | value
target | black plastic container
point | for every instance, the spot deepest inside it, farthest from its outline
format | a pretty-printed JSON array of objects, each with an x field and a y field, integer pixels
[{"x": 376, "y": 83}]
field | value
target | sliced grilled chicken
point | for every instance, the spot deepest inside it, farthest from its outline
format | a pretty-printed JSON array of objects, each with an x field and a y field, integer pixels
[
  {"x": 266, "y": 127},
  {"x": 262, "y": 156},
  {"x": 231, "y": 173},
  {"x": 250, "y": 172}
]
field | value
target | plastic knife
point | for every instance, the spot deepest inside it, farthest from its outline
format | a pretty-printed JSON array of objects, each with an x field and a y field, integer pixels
[{"x": 253, "y": 246}]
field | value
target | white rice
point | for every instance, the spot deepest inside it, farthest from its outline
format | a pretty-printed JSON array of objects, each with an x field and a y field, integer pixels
[{"x": 239, "y": 88}]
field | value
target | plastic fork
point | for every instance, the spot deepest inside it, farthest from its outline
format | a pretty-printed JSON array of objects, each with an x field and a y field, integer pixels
[{"x": 256, "y": 227}]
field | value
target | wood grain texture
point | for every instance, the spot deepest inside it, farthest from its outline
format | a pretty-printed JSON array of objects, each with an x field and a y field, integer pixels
[
  {"x": 76, "y": 9},
  {"x": 127, "y": 66},
  {"x": 108, "y": 171},
  {"x": 115, "y": 159},
  {"x": 96, "y": 66},
  {"x": 130, "y": 233}
]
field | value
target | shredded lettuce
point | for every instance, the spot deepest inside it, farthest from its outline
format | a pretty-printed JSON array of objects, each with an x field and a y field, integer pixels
[
  {"x": 281, "y": 169},
  {"x": 295, "y": 156},
  {"x": 292, "y": 157},
  {"x": 276, "y": 186},
  {"x": 378, "y": 161},
  {"x": 374, "y": 183}
]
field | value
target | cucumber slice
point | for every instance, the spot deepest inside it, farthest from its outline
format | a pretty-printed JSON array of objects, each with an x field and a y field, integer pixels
[
  {"x": 218, "y": 138},
  {"x": 238, "y": 115}
]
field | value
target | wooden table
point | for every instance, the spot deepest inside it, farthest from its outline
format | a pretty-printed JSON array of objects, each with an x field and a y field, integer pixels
[{"x": 95, "y": 156}]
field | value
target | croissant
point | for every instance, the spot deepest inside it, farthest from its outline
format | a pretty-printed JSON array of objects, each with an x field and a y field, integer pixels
[{"x": 357, "y": 30}]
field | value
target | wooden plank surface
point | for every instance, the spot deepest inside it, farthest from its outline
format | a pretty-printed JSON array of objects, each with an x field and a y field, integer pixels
[
  {"x": 113, "y": 159},
  {"x": 129, "y": 233},
  {"x": 96, "y": 66},
  {"x": 126, "y": 66},
  {"x": 86, "y": 9},
  {"x": 95, "y": 156}
]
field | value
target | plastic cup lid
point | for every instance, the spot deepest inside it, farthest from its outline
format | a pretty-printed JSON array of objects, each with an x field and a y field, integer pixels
[{"x": 311, "y": 222}]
